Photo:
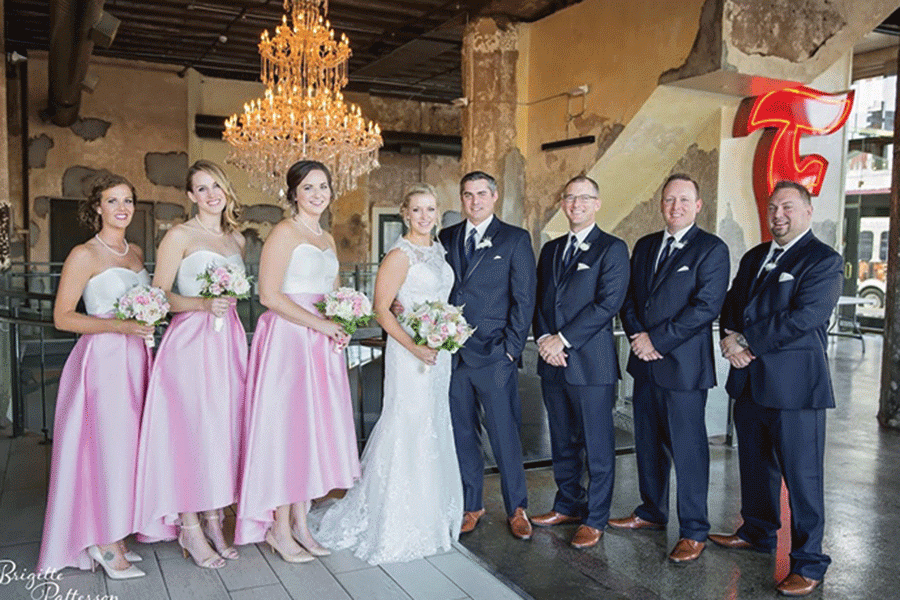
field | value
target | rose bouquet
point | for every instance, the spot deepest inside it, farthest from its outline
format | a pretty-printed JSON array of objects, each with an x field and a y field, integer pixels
[
  {"x": 438, "y": 325},
  {"x": 224, "y": 280},
  {"x": 346, "y": 307},
  {"x": 143, "y": 303}
]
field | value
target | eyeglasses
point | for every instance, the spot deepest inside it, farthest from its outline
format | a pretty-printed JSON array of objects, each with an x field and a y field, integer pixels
[{"x": 580, "y": 199}]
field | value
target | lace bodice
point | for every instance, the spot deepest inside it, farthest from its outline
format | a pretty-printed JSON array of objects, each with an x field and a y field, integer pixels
[
  {"x": 311, "y": 271},
  {"x": 103, "y": 289},
  {"x": 195, "y": 263},
  {"x": 430, "y": 277}
]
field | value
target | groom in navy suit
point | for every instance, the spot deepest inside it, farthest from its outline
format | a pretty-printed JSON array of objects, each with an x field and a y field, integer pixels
[
  {"x": 774, "y": 334},
  {"x": 679, "y": 277},
  {"x": 582, "y": 280},
  {"x": 494, "y": 267}
]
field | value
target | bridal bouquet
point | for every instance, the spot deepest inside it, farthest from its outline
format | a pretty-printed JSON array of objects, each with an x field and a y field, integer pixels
[
  {"x": 143, "y": 303},
  {"x": 346, "y": 307},
  {"x": 225, "y": 279},
  {"x": 439, "y": 325}
]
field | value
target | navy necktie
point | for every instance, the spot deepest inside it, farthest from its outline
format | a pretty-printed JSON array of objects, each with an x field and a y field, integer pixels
[
  {"x": 665, "y": 254},
  {"x": 570, "y": 252},
  {"x": 470, "y": 243}
]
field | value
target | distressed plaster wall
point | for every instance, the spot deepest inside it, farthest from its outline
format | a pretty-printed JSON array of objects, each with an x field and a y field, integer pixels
[
  {"x": 619, "y": 51},
  {"x": 145, "y": 108}
]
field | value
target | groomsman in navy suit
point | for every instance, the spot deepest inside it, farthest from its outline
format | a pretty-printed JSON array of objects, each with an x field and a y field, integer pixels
[
  {"x": 582, "y": 280},
  {"x": 494, "y": 267},
  {"x": 679, "y": 277},
  {"x": 774, "y": 334}
]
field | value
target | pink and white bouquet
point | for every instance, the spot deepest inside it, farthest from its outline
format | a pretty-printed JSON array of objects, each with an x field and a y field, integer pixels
[
  {"x": 143, "y": 303},
  {"x": 348, "y": 308},
  {"x": 438, "y": 325},
  {"x": 224, "y": 279}
]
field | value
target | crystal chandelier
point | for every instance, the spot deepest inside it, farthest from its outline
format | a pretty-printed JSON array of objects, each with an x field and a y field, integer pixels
[{"x": 302, "y": 114}]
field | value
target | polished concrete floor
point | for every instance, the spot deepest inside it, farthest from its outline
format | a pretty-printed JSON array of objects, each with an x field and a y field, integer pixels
[
  {"x": 862, "y": 527},
  {"x": 862, "y": 495}
]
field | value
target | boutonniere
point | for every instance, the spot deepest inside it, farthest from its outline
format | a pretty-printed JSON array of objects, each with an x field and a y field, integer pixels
[
  {"x": 484, "y": 243},
  {"x": 678, "y": 245},
  {"x": 584, "y": 246},
  {"x": 769, "y": 266}
]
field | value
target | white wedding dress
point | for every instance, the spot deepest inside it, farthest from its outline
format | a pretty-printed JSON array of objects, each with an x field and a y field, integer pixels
[{"x": 408, "y": 502}]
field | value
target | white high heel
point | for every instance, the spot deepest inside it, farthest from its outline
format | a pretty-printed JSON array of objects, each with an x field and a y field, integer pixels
[
  {"x": 97, "y": 558},
  {"x": 132, "y": 557}
]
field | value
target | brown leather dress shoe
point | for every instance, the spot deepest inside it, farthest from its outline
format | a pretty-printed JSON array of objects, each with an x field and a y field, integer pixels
[
  {"x": 470, "y": 520},
  {"x": 586, "y": 536},
  {"x": 634, "y": 522},
  {"x": 553, "y": 518},
  {"x": 796, "y": 584},
  {"x": 686, "y": 550},
  {"x": 519, "y": 524},
  {"x": 730, "y": 541}
]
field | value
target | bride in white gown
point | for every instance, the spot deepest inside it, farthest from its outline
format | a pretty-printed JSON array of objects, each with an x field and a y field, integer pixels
[{"x": 408, "y": 503}]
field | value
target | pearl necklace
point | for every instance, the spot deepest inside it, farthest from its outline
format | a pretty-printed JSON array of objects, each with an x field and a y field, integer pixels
[
  {"x": 311, "y": 230},
  {"x": 104, "y": 244},
  {"x": 207, "y": 229}
]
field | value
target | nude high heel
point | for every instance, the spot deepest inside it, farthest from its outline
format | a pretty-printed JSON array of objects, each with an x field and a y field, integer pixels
[
  {"x": 214, "y": 561},
  {"x": 300, "y": 557},
  {"x": 97, "y": 558},
  {"x": 229, "y": 552},
  {"x": 310, "y": 544}
]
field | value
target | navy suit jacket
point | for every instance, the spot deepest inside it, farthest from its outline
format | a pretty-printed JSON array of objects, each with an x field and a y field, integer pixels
[
  {"x": 785, "y": 322},
  {"x": 677, "y": 308},
  {"x": 581, "y": 303},
  {"x": 496, "y": 290}
]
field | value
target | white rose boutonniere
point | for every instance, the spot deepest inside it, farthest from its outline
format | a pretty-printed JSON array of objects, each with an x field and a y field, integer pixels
[
  {"x": 584, "y": 246},
  {"x": 484, "y": 243},
  {"x": 677, "y": 245},
  {"x": 769, "y": 266}
]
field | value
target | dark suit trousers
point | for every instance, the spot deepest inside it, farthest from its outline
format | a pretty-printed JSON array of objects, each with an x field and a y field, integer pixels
[
  {"x": 670, "y": 429},
  {"x": 495, "y": 388},
  {"x": 791, "y": 443},
  {"x": 580, "y": 419}
]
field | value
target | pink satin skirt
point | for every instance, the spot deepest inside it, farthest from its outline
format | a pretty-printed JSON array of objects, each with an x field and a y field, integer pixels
[
  {"x": 95, "y": 442},
  {"x": 189, "y": 451},
  {"x": 300, "y": 441}
]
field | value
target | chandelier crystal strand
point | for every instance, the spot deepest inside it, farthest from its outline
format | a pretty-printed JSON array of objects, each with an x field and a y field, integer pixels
[{"x": 302, "y": 113}]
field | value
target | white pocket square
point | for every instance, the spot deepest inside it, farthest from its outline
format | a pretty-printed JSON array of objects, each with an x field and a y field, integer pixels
[
  {"x": 582, "y": 266},
  {"x": 497, "y": 256},
  {"x": 683, "y": 268},
  {"x": 785, "y": 277}
]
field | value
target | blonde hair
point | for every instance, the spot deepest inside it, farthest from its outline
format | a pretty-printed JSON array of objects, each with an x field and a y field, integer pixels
[
  {"x": 414, "y": 190},
  {"x": 232, "y": 204}
]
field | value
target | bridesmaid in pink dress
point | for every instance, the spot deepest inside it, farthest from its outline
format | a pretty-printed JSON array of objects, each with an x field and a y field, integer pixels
[
  {"x": 300, "y": 441},
  {"x": 189, "y": 445},
  {"x": 90, "y": 502}
]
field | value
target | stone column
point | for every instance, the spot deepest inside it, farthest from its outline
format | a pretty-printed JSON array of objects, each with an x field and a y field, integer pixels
[
  {"x": 889, "y": 409},
  {"x": 489, "y": 55}
]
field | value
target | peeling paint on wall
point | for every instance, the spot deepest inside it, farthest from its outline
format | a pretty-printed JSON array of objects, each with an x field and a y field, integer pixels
[
  {"x": 166, "y": 168},
  {"x": 706, "y": 53},
  {"x": 76, "y": 181},
  {"x": 262, "y": 213},
  {"x": 789, "y": 29},
  {"x": 826, "y": 231},
  {"x": 38, "y": 147},
  {"x": 90, "y": 129}
]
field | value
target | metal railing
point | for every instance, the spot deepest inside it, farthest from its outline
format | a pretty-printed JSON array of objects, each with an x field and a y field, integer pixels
[{"x": 38, "y": 350}]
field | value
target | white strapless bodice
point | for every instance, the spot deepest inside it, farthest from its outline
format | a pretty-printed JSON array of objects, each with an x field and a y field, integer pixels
[
  {"x": 311, "y": 271},
  {"x": 103, "y": 289},
  {"x": 196, "y": 263}
]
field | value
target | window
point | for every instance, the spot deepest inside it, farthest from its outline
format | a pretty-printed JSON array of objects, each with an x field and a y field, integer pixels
[{"x": 864, "y": 251}]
